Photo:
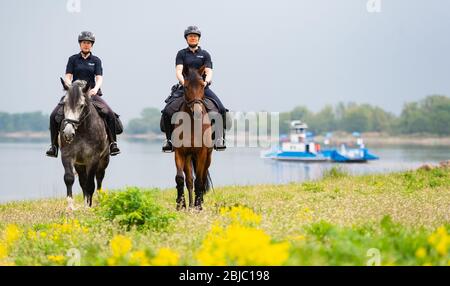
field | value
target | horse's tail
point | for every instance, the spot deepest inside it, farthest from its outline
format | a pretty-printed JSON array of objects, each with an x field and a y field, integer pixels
[{"x": 208, "y": 182}]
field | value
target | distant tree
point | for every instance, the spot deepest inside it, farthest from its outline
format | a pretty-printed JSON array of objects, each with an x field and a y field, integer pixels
[
  {"x": 146, "y": 123},
  {"x": 30, "y": 121},
  {"x": 431, "y": 115},
  {"x": 323, "y": 121}
]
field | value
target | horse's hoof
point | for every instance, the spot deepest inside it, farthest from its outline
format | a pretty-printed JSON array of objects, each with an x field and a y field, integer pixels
[
  {"x": 70, "y": 205},
  {"x": 70, "y": 209},
  {"x": 181, "y": 206}
]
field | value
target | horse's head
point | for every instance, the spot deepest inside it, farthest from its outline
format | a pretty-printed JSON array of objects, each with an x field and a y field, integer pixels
[
  {"x": 75, "y": 107},
  {"x": 194, "y": 90}
]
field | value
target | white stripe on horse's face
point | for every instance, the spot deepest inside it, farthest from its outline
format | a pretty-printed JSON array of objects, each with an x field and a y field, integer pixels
[{"x": 74, "y": 114}]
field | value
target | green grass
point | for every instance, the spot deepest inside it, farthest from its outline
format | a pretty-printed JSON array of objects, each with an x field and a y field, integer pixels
[{"x": 338, "y": 220}]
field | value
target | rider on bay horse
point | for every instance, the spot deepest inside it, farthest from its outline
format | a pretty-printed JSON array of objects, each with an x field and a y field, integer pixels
[
  {"x": 85, "y": 66},
  {"x": 192, "y": 56}
]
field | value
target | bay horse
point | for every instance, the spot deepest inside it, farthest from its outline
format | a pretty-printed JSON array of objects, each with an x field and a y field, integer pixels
[
  {"x": 83, "y": 141},
  {"x": 193, "y": 157}
]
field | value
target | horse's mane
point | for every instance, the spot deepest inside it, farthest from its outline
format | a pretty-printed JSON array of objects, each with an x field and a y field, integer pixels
[
  {"x": 193, "y": 77},
  {"x": 75, "y": 93}
]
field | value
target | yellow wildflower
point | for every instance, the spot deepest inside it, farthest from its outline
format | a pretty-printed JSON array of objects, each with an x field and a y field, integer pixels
[
  {"x": 442, "y": 247},
  {"x": 58, "y": 259},
  {"x": 3, "y": 250},
  {"x": 440, "y": 240},
  {"x": 139, "y": 258},
  {"x": 12, "y": 234},
  {"x": 165, "y": 257},
  {"x": 120, "y": 245},
  {"x": 31, "y": 235},
  {"x": 421, "y": 252},
  {"x": 241, "y": 245},
  {"x": 240, "y": 214},
  {"x": 111, "y": 261},
  {"x": 442, "y": 231}
]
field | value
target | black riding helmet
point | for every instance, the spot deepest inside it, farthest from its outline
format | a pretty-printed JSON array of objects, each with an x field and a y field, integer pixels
[
  {"x": 192, "y": 30},
  {"x": 86, "y": 36}
]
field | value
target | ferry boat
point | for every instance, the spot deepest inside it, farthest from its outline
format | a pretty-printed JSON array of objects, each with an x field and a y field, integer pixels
[
  {"x": 358, "y": 154},
  {"x": 299, "y": 147}
]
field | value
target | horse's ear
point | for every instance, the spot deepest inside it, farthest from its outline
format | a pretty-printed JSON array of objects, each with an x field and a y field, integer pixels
[
  {"x": 86, "y": 88},
  {"x": 201, "y": 70},
  {"x": 64, "y": 84},
  {"x": 185, "y": 71}
]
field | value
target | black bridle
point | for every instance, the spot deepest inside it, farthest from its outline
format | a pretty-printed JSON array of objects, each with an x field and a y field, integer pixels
[{"x": 76, "y": 123}]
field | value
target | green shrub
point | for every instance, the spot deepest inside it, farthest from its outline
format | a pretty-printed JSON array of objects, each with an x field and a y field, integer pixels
[{"x": 133, "y": 207}]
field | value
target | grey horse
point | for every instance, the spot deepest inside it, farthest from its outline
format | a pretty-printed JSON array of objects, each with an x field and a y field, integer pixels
[{"x": 83, "y": 141}]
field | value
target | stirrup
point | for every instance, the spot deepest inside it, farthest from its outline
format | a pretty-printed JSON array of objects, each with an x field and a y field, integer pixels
[{"x": 114, "y": 153}]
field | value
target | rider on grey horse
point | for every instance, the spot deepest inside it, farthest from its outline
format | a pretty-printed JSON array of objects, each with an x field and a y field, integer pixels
[
  {"x": 192, "y": 56},
  {"x": 86, "y": 66}
]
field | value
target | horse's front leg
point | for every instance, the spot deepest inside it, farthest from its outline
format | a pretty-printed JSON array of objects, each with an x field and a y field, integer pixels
[
  {"x": 69, "y": 179},
  {"x": 179, "y": 179},
  {"x": 199, "y": 179},
  {"x": 189, "y": 180},
  {"x": 90, "y": 183}
]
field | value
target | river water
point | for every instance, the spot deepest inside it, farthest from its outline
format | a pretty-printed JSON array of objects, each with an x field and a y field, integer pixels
[{"x": 26, "y": 173}]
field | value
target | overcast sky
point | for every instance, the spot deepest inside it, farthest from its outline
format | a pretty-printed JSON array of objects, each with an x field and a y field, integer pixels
[{"x": 267, "y": 55}]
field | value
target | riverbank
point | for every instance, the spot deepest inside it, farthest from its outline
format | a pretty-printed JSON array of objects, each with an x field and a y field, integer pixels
[
  {"x": 392, "y": 219},
  {"x": 373, "y": 139}
]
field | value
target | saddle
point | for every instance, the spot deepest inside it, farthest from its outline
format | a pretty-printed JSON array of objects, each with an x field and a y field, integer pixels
[{"x": 176, "y": 100}]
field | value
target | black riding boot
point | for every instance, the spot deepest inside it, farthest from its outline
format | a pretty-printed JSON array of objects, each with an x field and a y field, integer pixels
[
  {"x": 111, "y": 131},
  {"x": 219, "y": 144},
  {"x": 54, "y": 126},
  {"x": 167, "y": 147}
]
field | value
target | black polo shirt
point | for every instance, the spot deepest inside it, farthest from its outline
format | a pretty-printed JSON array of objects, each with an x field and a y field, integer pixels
[
  {"x": 195, "y": 59},
  {"x": 84, "y": 69}
]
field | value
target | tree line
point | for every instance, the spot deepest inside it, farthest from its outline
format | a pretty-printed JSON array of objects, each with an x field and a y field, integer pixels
[
  {"x": 29, "y": 121},
  {"x": 430, "y": 115}
]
